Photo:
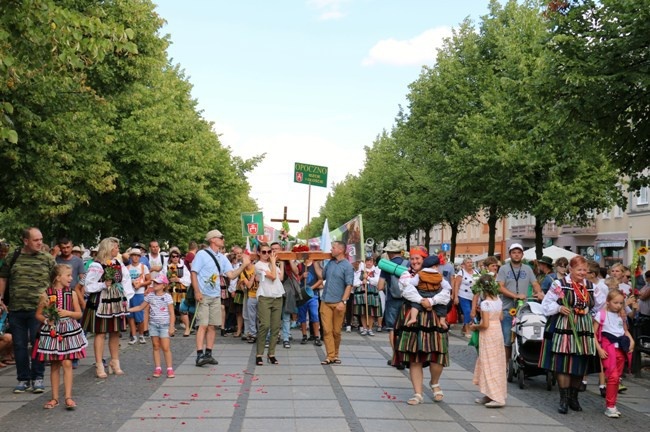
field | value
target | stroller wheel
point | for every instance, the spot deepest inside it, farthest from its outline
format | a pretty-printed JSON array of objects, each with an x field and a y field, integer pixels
[
  {"x": 511, "y": 371},
  {"x": 520, "y": 378}
]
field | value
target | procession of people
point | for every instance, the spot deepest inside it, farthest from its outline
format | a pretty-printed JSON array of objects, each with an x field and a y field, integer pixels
[{"x": 55, "y": 302}]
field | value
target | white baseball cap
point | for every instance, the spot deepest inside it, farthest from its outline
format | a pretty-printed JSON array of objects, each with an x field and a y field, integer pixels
[{"x": 515, "y": 246}]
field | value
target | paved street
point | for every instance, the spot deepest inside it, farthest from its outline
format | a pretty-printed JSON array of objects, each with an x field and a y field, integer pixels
[{"x": 362, "y": 394}]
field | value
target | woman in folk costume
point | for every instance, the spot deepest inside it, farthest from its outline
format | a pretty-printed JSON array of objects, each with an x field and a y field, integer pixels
[
  {"x": 425, "y": 343},
  {"x": 569, "y": 347},
  {"x": 179, "y": 281},
  {"x": 108, "y": 284},
  {"x": 368, "y": 314}
]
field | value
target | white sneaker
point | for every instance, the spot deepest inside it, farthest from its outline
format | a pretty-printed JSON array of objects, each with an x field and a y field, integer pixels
[
  {"x": 348, "y": 329},
  {"x": 133, "y": 340},
  {"x": 370, "y": 333},
  {"x": 363, "y": 332},
  {"x": 612, "y": 413},
  {"x": 143, "y": 340}
]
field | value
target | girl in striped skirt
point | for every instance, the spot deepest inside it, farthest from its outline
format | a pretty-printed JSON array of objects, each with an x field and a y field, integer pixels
[
  {"x": 367, "y": 315},
  {"x": 61, "y": 338},
  {"x": 568, "y": 347}
]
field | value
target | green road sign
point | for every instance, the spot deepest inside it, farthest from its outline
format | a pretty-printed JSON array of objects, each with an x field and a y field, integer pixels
[
  {"x": 252, "y": 224},
  {"x": 310, "y": 174}
]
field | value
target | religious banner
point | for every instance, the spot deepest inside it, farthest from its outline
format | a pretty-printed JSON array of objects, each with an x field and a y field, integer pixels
[
  {"x": 252, "y": 224},
  {"x": 350, "y": 233}
]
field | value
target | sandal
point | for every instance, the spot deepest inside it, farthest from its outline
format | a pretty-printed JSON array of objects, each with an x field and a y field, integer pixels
[
  {"x": 336, "y": 361},
  {"x": 51, "y": 404},
  {"x": 70, "y": 404},
  {"x": 259, "y": 361},
  {"x": 327, "y": 362},
  {"x": 416, "y": 399},
  {"x": 438, "y": 396}
]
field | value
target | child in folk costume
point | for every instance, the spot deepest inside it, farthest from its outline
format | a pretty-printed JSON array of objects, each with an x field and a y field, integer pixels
[
  {"x": 490, "y": 370},
  {"x": 161, "y": 323},
  {"x": 60, "y": 339},
  {"x": 614, "y": 345},
  {"x": 367, "y": 304},
  {"x": 429, "y": 283}
]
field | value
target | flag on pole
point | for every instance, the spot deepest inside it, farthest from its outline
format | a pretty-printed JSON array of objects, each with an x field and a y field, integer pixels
[
  {"x": 248, "y": 246},
  {"x": 325, "y": 239}
]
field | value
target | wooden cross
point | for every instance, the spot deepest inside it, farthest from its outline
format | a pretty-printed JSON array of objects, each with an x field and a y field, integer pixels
[{"x": 284, "y": 219}]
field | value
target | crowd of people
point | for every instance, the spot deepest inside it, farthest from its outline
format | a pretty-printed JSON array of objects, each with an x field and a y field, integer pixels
[{"x": 55, "y": 297}]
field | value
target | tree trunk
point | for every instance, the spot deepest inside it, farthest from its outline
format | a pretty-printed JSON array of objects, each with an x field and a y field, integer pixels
[
  {"x": 454, "y": 233},
  {"x": 539, "y": 237},
  {"x": 492, "y": 229},
  {"x": 427, "y": 236}
]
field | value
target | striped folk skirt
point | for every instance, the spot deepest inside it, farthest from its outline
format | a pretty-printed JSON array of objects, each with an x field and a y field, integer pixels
[
  {"x": 374, "y": 302},
  {"x": 423, "y": 342},
  {"x": 562, "y": 352},
  {"x": 90, "y": 322},
  {"x": 67, "y": 342}
]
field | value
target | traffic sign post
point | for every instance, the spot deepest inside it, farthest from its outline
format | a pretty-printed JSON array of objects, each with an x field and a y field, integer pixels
[
  {"x": 446, "y": 247},
  {"x": 310, "y": 174}
]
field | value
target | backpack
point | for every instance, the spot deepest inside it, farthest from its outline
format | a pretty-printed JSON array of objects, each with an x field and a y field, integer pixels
[
  {"x": 393, "y": 284},
  {"x": 162, "y": 259}
]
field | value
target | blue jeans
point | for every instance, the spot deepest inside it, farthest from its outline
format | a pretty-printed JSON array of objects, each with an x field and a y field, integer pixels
[
  {"x": 506, "y": 328},
  {"x": 286, "y": 326},
  {"x": 24, "y": 328}
]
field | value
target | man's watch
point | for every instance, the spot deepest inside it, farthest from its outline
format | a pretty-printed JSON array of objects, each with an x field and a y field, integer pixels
[{"x": 344, "y": 301}]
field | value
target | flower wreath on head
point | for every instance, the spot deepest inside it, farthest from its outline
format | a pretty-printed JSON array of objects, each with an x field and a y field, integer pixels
[{"x": 486, "y": 284}]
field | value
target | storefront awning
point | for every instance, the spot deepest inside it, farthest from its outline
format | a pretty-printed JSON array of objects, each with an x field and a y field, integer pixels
[{"x": 611, "y": 244}]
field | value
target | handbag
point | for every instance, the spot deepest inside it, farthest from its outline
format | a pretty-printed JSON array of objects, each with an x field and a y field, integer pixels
[
  {"x": 452, "y": 315},
  {"x": 473, "y": 340}
]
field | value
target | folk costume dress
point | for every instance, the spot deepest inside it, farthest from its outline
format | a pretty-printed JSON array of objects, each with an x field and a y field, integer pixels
[
  {"x": 178, "y": 289},
  {"x": 61, "y": 339},
  {"x": 107, "y": 307},
  {"x": 562, "y": 351},
  {"x": 374, "y": 301},
  {"x": 490, "y": 369},
  {"x": 426, "y": 341}
]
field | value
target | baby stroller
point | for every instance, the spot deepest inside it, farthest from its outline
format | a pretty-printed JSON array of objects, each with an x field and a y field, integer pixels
[{"x": 528, "y": 328}]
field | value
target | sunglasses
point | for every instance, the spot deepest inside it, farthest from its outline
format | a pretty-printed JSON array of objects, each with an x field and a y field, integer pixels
[
  {"x": 265, "y": 252},
  {"x": 175, "y": 256}
]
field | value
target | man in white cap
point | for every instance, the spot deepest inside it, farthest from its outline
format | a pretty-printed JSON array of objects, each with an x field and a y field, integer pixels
[
  {"x": 207, "y": 267},
  {"x": 514, "y": 278}
]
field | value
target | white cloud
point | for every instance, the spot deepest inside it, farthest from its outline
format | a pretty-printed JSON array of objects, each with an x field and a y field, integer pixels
[
  {"x": 272, "y": 184},
  {"x": 416, "y": 51},
  {"x": 328, "y": 9}
]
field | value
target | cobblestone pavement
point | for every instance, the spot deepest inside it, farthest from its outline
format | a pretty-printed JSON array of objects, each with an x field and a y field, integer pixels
[{"x": 362, "y": 394}]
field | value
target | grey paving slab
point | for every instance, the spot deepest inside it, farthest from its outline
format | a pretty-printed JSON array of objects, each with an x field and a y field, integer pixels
[
  {"x": 318, "y": 425},
  {"x": 429, "y": 411},
  {"x": 376, "y": 393},
  {"x": 317, "y": 409},
  {"x": 189, "y": 393},
  {"x": 378, "y": 409},
  {"x": 287, "y": 392},
  {"x": 395, "y": 382},
  {"x": 425, "y": 426},
  {"x": 270, "y": 424},
  {"x": 500, "y": 427},
  {"x": 357, "y": 380},
  {"x": 269, "y": 408},
  {"x": 507, "y": 415}
]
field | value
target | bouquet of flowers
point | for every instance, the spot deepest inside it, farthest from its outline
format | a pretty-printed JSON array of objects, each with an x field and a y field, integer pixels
[
  {"x": 300, "y": 248},
  {"x": 111, "y": 270},
  {"x": 172, "y": 272},
  {"x": 51, "y": 311}
]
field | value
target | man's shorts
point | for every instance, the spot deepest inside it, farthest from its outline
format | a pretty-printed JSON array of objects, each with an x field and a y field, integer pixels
[
  {"x": 137, "y": 300},
  {"x": 506, "y": 327},
  {"x": 392, "y": 311},
  {"x": 208, "y": 311}
]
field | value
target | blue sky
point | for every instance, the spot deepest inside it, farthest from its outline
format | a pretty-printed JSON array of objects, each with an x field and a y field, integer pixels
[{"x": 311, "y": 81}]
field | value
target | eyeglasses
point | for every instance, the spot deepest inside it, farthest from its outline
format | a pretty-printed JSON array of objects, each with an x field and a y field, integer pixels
[{"x": 265, "y": 252}]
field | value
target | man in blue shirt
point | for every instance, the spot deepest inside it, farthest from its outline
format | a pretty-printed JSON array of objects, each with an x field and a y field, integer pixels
[
  {"x": 207, "y": 266},
  {"x": 338, "y": 275}
]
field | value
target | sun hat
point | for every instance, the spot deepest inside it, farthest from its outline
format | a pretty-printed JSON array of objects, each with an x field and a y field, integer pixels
[
  {"x": 212, "y": 234},
  {"x": 393, "y": 246},
  {"x": 546, "y": 260},
  {"x": 161, "y": 279}
]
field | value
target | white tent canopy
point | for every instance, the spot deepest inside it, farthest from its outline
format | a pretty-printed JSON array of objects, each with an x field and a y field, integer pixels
[{"x": 553, "y": 252}]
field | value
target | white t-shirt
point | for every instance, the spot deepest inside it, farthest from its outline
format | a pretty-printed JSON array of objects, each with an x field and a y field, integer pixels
[
  {"x": 613, "y": 324},
  {"x": 268, "y": 288},
  {"x": 137, "y": 275}
]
